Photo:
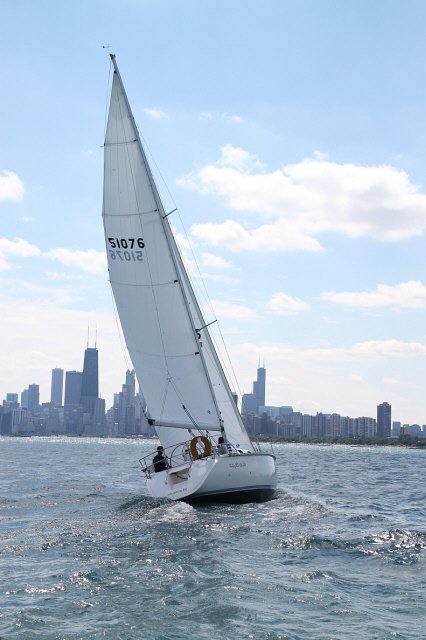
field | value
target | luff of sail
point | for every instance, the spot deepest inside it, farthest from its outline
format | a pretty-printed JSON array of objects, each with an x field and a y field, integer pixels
[{"x": 158, "y": 312}]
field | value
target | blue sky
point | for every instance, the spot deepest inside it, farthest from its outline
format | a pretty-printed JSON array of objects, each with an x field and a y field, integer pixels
[{"x": 292, "y": 138}]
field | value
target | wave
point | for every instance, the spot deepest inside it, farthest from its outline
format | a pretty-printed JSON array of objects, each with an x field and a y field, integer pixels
[
  {"x": 400, "y": 538},
  {"x": 172, "y": 512},
  {"x": 396, "y": 545},
  {"x": 136, "y": 501},
  {"x": 362, "y": 517}
]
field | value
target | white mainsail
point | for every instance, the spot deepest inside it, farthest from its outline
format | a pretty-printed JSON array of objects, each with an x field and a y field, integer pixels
[{"x": 179, "y": 373}]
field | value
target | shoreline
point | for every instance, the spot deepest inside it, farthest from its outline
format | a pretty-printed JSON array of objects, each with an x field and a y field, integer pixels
[{"x": 408, "y": 442}]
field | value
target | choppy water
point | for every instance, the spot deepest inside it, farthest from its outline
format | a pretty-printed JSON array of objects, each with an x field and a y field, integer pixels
[{"x": 85, "y": 553}]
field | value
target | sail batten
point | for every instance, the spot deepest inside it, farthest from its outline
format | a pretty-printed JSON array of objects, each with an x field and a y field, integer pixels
[
  {"x": 129, "y": 214},
  {"x": 138, "y": 284}
]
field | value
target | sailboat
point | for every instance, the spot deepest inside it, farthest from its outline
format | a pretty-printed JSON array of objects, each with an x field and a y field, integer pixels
[{"x": 207, "y": 451}]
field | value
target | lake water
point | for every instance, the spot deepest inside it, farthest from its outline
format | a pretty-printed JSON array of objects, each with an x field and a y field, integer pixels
[{"x": 340, "y": 553}]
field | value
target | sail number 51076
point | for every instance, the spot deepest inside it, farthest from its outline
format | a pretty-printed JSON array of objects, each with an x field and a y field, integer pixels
[
  {"x": 126, "y": 243},
  {"x": 117, "y": 244}
]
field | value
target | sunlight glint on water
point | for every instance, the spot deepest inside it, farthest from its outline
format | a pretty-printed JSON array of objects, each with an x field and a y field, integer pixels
[{"x": 85, "y": 553}]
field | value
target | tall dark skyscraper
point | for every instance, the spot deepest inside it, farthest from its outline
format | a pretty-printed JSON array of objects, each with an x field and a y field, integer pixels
[
  {"x": 57, "y": 386},
  {"x": 252, "y": 401},
  {"x": 384, "y": 420},
  {"x": 259, "y": 387},
  {"x": 90, "y": 380}
]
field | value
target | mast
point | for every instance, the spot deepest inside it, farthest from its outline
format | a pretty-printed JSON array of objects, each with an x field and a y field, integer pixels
[
  {"x": 213, "y": 351},
  {"x": 174, "y": 252}
]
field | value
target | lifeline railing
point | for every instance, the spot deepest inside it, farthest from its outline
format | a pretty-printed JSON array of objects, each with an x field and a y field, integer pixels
[{"x": 181, "y": 454}]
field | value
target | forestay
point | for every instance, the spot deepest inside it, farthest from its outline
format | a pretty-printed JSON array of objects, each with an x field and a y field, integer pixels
[{"x": 180, "y": 375}]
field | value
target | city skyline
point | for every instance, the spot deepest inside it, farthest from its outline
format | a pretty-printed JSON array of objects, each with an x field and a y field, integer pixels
[
  {"x": 84, "y": 413},
  {"x": 294, "y": 150},
  {"x": 75, "y": 392}
]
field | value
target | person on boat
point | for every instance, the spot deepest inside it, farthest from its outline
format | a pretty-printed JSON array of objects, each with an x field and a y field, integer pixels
[
  {"x": 222, "y": 447},
  {"x": 186, "y": 453},
  {"x": 160, "y": 460}
]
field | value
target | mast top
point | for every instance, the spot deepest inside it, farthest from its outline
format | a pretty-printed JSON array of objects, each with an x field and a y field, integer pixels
[{"x": 113, "y": 60}]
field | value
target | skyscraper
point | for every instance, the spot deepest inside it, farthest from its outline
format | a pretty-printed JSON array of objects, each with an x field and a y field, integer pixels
[
  {"x": 33, "y": 397},
  {"x": 384, "y": 420},
  {"x": 259, "y": 387},
  {"x": 73, "y": 387},
  {"x": 252, "y": 401},
  {"x": 90, "y": 380},
  {"x": 11, "y": 398},
  {"x": 127, "y": 402},
  {"x": 57, "y": 386},
  {"x": 131, "y": 383},
  {"x": 24, "y": 399},
  {"x": 248, "y": 403}
]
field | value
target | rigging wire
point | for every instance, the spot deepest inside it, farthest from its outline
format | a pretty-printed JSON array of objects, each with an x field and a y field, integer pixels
[
  {"x": 225, "y": 360},
  {"x": 147, "y": 149}
]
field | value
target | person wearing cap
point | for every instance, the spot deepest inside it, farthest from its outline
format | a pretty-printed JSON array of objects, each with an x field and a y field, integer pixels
[{"x": 160, "y": 460}]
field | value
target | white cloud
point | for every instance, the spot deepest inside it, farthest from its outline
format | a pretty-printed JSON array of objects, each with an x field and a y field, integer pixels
[
  {"x": 16, "y": 247},
  {"x": 282, "y": 304},
  {"x": 282, "y": 235},
  {"x": 309, "y": 198},
  {"x": 408, "y": 295},
  {"x": 320, "y": 155},
  {"x": 367, "y": 351},
  {"x": 239, "y": 159},
  {"x": 11, "y": 186},
  {"x": 230, "y": 310},
  {"x": 216, "y": 277},
  {"x": 37, "y": 292},
  {"x": 232, "y": 118},
  {"x": 56, "y": 275},
  {"x": 208, "y": 261},
  {"x": 90, "y": 260},
  {"x": 212, "y": 261},
  {"x": 227, "y": 117},
  {"x": 57, "y": 295},
  {"x": 358, "y": 352},
  {"x": 28, "y": 219},
  {"x": 389, "y": 349},
  {"x": 156, "y": 114},
  {"x": 391, "y": 381},
  {"x": 355, "y": 377}
]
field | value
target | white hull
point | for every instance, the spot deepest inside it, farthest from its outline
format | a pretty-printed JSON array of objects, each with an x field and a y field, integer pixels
[{"x": 214, "y": 476}]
